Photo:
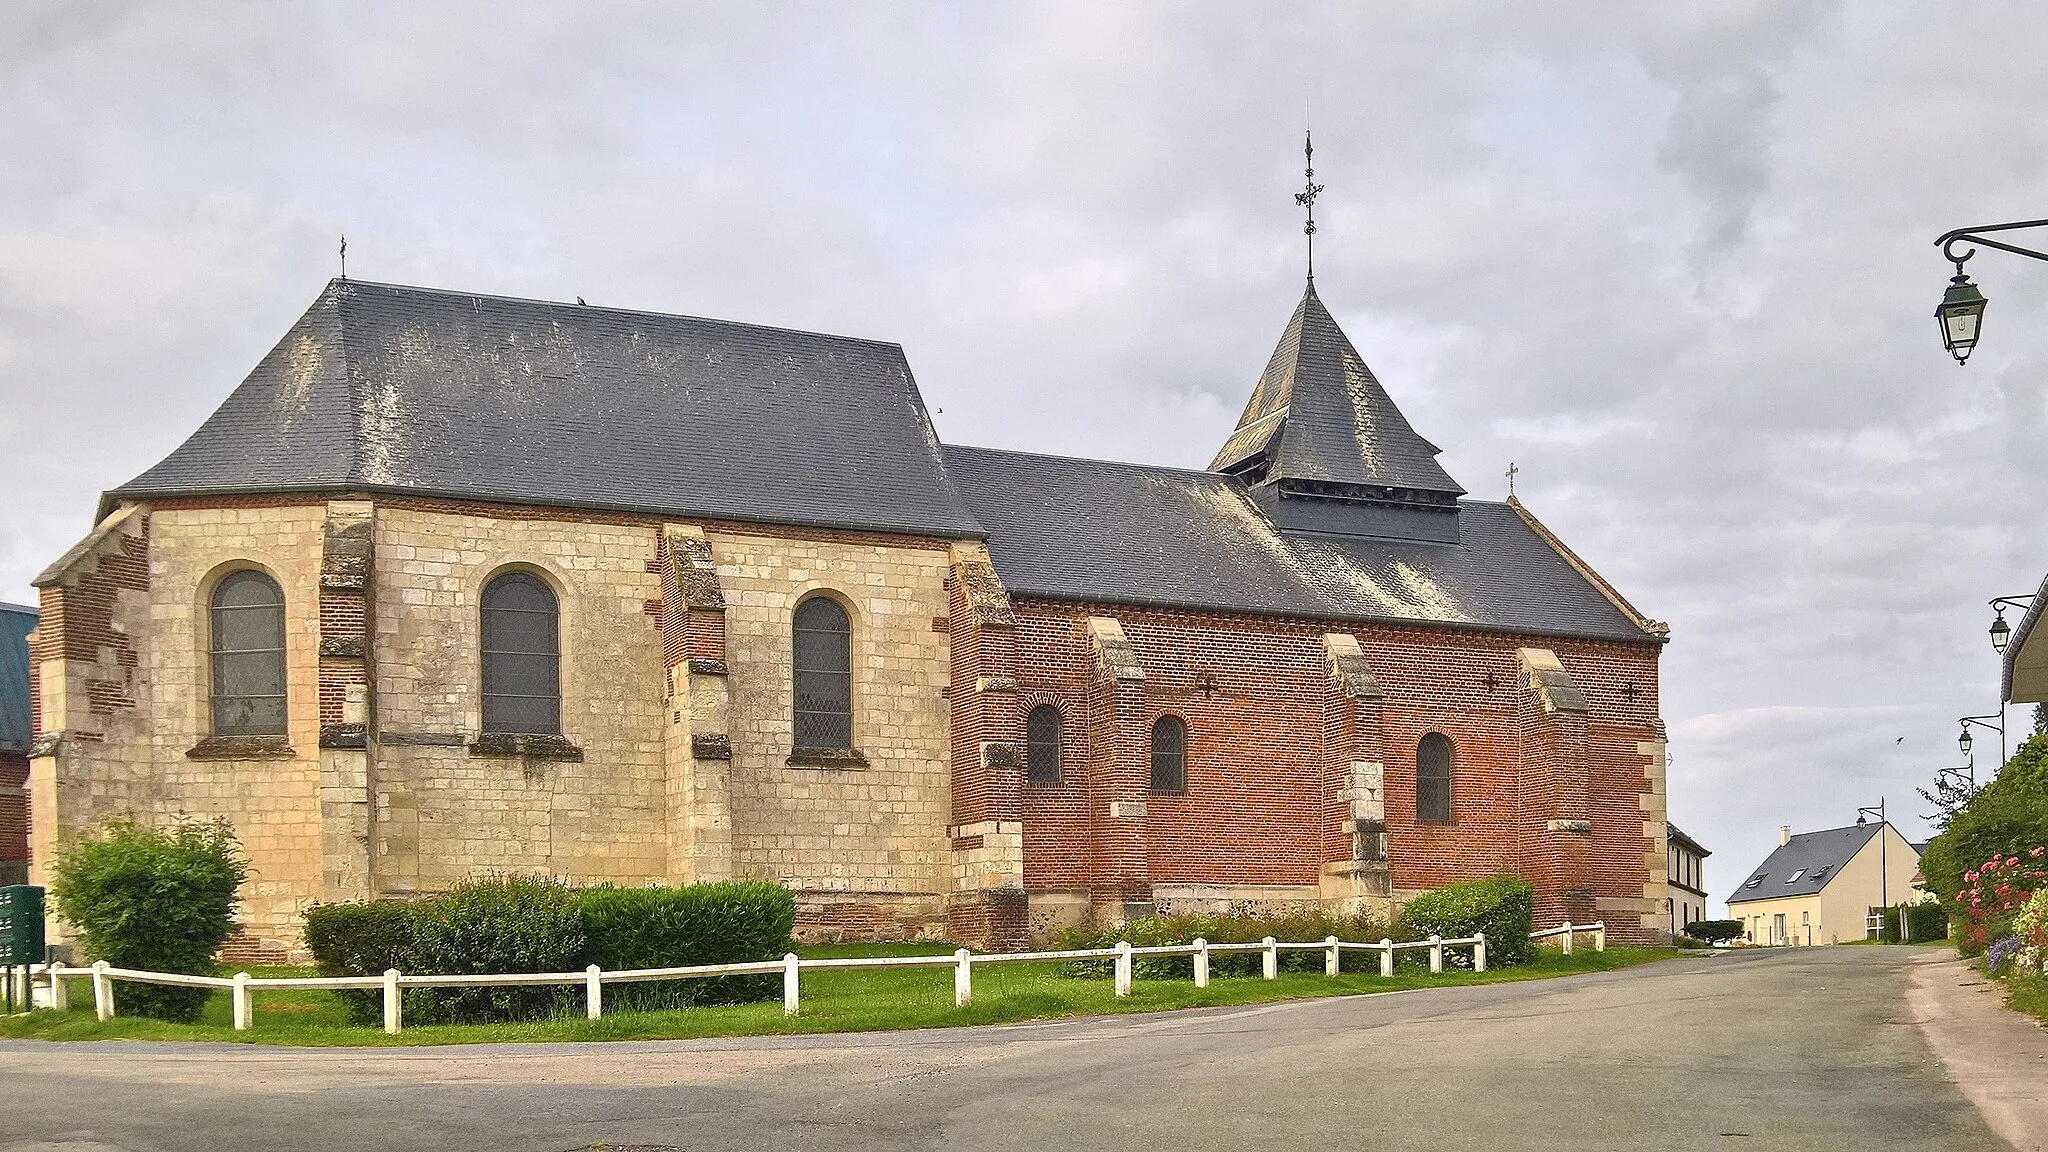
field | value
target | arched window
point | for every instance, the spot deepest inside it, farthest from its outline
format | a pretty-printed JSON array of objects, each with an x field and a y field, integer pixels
[
  {"x": 1042, "y": 745},
  {"x": 822, "y": 675},
  {"x": 247, "y": 646},
  {"x": 522, "y": 656},
  {"x": 1433, "y": 779},
  {"x": 1169, "y": 755}
]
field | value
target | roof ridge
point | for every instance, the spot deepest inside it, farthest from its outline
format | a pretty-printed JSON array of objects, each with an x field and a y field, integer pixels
[
  {"x": 1585, "y": 570},
  {"x": 1132, "y": 464}
]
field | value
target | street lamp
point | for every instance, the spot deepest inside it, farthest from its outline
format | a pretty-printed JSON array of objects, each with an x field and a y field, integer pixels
[
  {"x": 1961, "y": 313},
  {"x": 1963, "y": 741},
  {"x": 1884, "y": 894},
  {"x": 2001, "y": 632}
]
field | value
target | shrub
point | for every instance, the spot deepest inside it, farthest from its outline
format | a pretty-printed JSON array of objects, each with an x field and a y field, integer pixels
[
  {"x": 1997, "y": 890},
  {"x": 1500, "y": 906},
  {"x": 2004, "y": 819},
  {"x": 1226, "y": 928},
  {"x": 1924, "y": 922},
  {"x": 503, "y": 924},
  {"x": 1714, "y": 931},
  {"x": 727, "y": 923},
  {"x": 361, "y": 940},
  {"x": 160, "y": 899}
]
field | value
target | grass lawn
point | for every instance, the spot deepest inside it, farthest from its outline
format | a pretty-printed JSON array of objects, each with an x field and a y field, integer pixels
[
  {"x": 833, "y": 1001},
  {"x": 2028, "y": 994}
]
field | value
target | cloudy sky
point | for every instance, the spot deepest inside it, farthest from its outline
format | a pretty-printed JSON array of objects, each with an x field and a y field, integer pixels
[{"x": 1674, "y": 260}]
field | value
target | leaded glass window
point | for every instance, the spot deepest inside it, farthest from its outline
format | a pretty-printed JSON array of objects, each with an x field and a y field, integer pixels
[
  {"x": 1169, "y": 755},
  {"x": 522, "y": 656},
  {"x": 1433, "y": 779},
  {"x": 822, "y": 675},
  {"x": 1042, "y": 745},
  {"x": 246, "y": 618}
]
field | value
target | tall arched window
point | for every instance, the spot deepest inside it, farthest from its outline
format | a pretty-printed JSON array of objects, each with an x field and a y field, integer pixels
[
  {"x": 822, "y": 675},
  {"x": 522, "y": 656},
  {"x": 1433, "y": 779},
  {"x": 1042, "y": 745},
  {"x": 246, "y": 642},
  {"x": 1169, "y": 755}
]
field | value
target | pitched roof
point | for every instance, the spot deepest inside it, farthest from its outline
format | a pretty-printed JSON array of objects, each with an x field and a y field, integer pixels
[
  {"x": 1814, "y": 858},
  {"x": 1092, "y": 530},
  {"x": 2026, "y": 655},
  {"x": 16, "y": 622},
  {"x": 1673, "y": 833},
  {"x": 1319, "y": 414},
  {"x": 383, "y": 388}
]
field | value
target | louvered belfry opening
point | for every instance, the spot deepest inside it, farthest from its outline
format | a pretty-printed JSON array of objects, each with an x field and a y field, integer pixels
[{"x": 823, "y": 675}]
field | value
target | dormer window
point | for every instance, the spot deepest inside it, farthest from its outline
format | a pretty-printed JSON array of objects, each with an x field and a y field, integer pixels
[
  {"x": 1796, "y": 874},
  {"x": 1755, "y": 881}
]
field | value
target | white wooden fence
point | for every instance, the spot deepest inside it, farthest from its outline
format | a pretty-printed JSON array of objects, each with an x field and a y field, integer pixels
[{"x": 243, "y": 986}]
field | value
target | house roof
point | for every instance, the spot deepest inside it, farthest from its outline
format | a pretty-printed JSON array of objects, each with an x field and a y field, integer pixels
[
  {"x": 1091, "y": 530},
  {"x": 383, "y": 388},
  {"x": 16, "y": 622},
  {"x": 1318, "y": 414},
  {"x": 1814, "y": 858},
  {"x": 1674, "y": 834},
  {"x": 2026, "y": 655}
]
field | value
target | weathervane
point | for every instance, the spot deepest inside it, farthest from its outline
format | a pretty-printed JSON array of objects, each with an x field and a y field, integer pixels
[{"x": 1307, "y": 198}]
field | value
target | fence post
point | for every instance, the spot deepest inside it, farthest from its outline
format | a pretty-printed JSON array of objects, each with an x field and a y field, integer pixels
[
  {"x": 1386, "y": 956},
  {"x": 1479, "y": 952},
  {"x": 60, "y": 988},
  {"x": 593, "y": 992},
  {"x": 244, "y": 1012},
  {"x": 1567, "y": 937},
  {"x": 1332, "y": 956},
  {"x": 1123, "y": 968},
  {"x": 963, "y": 978},
  {"x": 1269, "y": 962},
  {"x": 102, "y": 991},
  {"x": 394, "y": 1008},
  {"x": 1436, "y": 953},
  {"x": 1201, "y": 962},
  {"x": 1600, "y": 936},
  {"x": 789, "y": 982}
]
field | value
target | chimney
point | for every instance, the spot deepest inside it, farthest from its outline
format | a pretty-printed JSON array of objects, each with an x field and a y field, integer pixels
[{"x": 1784, "y": 833}]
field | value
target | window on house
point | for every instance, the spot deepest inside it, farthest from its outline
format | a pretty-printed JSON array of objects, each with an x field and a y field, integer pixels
[
  {"x": 1433, "y": 779},
  {"x": 822, "y": 675},
  {"x": 246, "y": 644},
  {"x": 1822, "y": 871},
  {"x": 522, "y": 656},
  {"x": 1755, "y": 880},
  {"x": 1169, "y": 754},
  {"x": 1042, "y": 745},
  {"x": 1796, "y": 874}
]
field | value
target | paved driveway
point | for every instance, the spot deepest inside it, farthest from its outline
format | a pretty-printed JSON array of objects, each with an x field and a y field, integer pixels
[{"x": 1789, "y": 1049}]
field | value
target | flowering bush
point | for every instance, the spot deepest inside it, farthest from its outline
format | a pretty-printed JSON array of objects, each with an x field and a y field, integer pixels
[
  {"x": 2001, "y": 955},
  {"x": 2030, "y": 928},
  {"x": 1995, "y": 892}
]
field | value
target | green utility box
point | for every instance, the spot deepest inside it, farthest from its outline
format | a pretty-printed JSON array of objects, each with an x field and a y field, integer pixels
[{"x": 21, "y": 925}]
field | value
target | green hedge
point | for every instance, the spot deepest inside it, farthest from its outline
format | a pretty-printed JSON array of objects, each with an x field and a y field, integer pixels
[
  {"x": 1924, "y": 923},
  {"x": 1500, "y": 906},
  {"x": 532, "y": 924},
  {"x": 1714, "y": 931},
  {"x": 1157, "y": 931},
  {"x": 160, "y": 899}
]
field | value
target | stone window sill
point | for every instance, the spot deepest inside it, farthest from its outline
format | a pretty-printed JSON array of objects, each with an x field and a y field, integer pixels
[
  {"x": 241, "y": 748},
  {"x": 531, "y": 745},
  {"x": 848, "y": 758}
]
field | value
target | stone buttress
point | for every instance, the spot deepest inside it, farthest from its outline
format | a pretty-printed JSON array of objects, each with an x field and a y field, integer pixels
[
  {"x": 1556, "y": 826},
  {"x": 1355, "y": 875},
  {"x": 347, "y": 797},
  {"x": 1119, "y": 776},
  {"x": 987, "y": 906},
  {"x": 696, "y": 738}
]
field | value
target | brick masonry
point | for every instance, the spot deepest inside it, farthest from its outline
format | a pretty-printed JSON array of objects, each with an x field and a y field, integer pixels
[{"x": 674, "y": 759}]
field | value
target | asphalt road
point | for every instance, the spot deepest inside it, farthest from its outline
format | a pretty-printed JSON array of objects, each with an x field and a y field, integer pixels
[{"x": 1787, "y": 1049}]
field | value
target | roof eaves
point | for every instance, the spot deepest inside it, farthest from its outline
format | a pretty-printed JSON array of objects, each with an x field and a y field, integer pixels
[
  {"x": 1657, "y": 628},
  {"x": 2018, "y": 640}
]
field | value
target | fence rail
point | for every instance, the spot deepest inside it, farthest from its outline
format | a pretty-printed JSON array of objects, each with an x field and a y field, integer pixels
[{"x": 392, "y": 983}]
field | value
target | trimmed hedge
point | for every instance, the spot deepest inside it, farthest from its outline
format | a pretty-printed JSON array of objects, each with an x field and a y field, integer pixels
[
  {"x": 1714, "y": 931},
  {"x": 160, "y": 899},
  {"x": 533, "y": 924},
  {"x": 1924, "y": 923},
  {"x": 1217, "y": 928},
  {"x": 1501, "y": 906}
]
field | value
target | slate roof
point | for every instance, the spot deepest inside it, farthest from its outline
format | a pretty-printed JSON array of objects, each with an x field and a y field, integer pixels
[
  {"x": 382, "y": 388},
  {"x": 1318, "y": 413},
  {"x": 1673, "y": 833},
  {"x": 1817, "y": 857},
  {"x": 1091, "y": 530},
  {"x": 2028, "y": 663},
  {"x": 16, "y": 622}
]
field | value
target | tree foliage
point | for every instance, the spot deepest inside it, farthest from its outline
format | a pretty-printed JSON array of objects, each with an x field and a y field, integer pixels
[{"x": 2005, "y": 818}]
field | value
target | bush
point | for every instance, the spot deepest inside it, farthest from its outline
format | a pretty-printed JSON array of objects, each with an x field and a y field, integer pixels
[
  {"x": 2006, "y": 818},
  {"x": 1924, "y": 923},
  {"x": 531, "y": 924},
  {"x": 1501, "y": 907},
  {"x": 728, "y": 923},
  {"x": 160, "y": 899},
  {"x": 1714, "y": 931},
  {"x": 1224, "y": 928}
]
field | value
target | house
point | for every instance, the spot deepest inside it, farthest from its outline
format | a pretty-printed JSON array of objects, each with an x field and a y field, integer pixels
[
  {"x": 16, "y": 723},
  {"x": 1686, "y": 873},
  {"x": 2026, "y": 653},
  {"x": 1827, "y": 887},
  {"x": 455, "y": 584}
]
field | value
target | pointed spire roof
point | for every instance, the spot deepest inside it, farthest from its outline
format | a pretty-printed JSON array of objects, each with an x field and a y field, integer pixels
[{"x": 1319, "y": 415}]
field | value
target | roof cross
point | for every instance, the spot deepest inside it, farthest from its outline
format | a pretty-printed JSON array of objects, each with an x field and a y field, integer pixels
[
  {"x": 1512, "y": 472},
  {"x": 1307, "y": 198}
]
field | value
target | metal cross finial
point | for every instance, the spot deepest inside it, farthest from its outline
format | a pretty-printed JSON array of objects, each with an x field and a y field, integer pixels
[
  {"x": 1307, "y": 198},
  {"x": 344, "y": 256},
  {"x": 1512, "y": 470}
]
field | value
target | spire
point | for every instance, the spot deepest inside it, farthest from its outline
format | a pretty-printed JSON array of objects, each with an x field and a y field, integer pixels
[{"x": 1307, "y": 199}]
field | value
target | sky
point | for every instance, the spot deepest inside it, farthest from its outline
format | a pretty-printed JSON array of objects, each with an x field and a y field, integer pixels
[{"x": 1674, "y": 261}]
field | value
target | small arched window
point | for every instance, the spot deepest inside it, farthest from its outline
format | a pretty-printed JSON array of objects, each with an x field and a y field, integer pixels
[
  {"x": 1169, "y": 754},
  {"x": 1433, "y": 779},
  {"x": 822, "y": 675},
  {"x": 246, "y": 642},
  {"x": 1042, "y": 745},
  {"x": 522, "y": 656}
]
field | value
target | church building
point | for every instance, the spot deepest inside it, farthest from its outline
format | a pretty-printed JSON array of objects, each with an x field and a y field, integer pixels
[{"x": 454, "y": 585}]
